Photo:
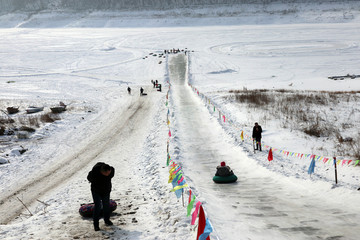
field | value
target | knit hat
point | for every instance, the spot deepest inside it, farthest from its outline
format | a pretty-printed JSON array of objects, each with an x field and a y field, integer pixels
[{"x": 222, "y": 164}]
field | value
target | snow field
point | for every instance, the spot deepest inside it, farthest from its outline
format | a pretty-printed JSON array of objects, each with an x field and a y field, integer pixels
[{"x": 91, "y": 68}]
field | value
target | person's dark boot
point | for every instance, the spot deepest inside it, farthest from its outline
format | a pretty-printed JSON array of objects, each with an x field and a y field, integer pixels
[
  {"x": 96, "y": 227},
  {"x": 109, "y": 223}
]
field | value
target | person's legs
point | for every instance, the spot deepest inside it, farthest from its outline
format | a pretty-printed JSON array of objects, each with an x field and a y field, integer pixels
[
  {"x": 106, "y": 208},
  {"x": 258, "y": 140},
  {"x": 97, "y": 210}
]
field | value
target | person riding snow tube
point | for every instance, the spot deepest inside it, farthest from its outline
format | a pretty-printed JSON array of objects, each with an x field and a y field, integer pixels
[
  {"x": 224, "y": 174},
  {"x": 86, "y": 210}
]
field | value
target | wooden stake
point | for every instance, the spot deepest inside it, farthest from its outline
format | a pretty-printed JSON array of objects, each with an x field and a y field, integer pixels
[
  {"x": 182, "y": 193},
  {"x": 336, "y": 181}
]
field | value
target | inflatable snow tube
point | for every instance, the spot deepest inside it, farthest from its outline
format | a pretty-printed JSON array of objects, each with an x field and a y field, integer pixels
[
  {"x": 227, "y": 179},
  {"x": 86, "y": 210}
]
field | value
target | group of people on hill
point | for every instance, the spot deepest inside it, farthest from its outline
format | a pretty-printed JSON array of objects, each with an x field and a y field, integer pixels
[
  {"x": 155, "y": 83},
  {"x": 174, "y": 51}
]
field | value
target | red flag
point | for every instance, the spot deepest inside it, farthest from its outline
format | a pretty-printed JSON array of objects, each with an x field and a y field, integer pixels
[
  {"x": 189, "y": 195},
  {"x": 270, "y": 156},
  {"x": 202, "y": 223},
  {"x": 169, "y": 133}
]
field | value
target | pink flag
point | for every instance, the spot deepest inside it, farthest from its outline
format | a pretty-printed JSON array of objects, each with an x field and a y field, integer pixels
[
  {"x": 195, "y": 213},
  {"x": 169, "y": 133},
  {"x": 181, "y": 179}
]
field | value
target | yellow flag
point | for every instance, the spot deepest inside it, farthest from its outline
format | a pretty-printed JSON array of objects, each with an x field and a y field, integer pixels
[
  {"x": 242, "y": 136},
  {"x": 178, "y": 187}
]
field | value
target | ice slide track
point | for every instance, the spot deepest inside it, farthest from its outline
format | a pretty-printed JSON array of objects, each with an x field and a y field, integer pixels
[
  {"x": 10, "y": 207},
  {"x": 262, "y": 204}
]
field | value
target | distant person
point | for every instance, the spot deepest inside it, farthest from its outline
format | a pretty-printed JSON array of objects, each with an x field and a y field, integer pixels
[
  {"x": 257, "y": 130},
  {"x": 223, "y": 170},
  {"x": 129, "y": 90},
  {"x": 142, "y": 92},
  {"x": 100, "y": 179}
]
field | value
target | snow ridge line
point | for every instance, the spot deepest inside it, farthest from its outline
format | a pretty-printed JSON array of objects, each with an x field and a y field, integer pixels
[
  {"x": 176, "y": 177},
  {"x": 237, "y": 132}
]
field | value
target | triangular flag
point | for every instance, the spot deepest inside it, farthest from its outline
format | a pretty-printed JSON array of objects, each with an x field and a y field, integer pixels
[
  {"x": 270, "y": 156},
  {"x": 169, "y": 133},
  {"x": 189, "y": 195},
  {"x": 190, "y": 206},
  {"x": 202, "y": 223},
  {"x": 312, "y": 166},
  {"x": 208, "y": 229},
  {"x": 195, "y": 213},
  {"x": 242, "y": 136},
  {"x": 178, "y": 187}
]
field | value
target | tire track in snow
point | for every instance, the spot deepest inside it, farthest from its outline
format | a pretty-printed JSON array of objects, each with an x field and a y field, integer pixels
[{"x": 10, "y": 207}]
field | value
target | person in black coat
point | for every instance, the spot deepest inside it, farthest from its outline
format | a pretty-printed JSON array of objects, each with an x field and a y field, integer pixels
[
  {"x": 223, "y": 170},
  {"x": 257, "y": 130},
  {"x": 100, "y": 179}
]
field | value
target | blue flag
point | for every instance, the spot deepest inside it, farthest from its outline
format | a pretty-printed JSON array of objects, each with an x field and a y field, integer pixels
[
  {"x": 312, "y": 166},
  {"x": 208, "y": 229}
]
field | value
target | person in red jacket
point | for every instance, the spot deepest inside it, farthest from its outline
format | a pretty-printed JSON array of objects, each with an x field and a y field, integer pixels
[{"x": 100, "y": 179}]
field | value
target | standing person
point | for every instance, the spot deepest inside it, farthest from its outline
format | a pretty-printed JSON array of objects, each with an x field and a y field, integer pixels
[
  {"x": 129, "y": 90},
  {"x": 100, "y": 179},
  {"x": 141, "y": 91},
  {"x": 257, "y": 130}
]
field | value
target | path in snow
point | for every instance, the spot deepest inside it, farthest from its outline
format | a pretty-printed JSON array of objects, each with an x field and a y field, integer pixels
[
  {"x": 262, "y": 204},
  {"x": 118, "y": 125}
]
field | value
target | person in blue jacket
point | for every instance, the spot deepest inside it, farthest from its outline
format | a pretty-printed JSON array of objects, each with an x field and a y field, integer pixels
[{"x": 100, "y": 179}]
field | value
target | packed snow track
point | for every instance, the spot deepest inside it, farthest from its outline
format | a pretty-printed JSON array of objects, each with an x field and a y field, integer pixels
[{"x": 264, "y": 205}]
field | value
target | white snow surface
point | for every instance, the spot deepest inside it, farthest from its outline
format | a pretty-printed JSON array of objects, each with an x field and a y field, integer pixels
[{"x": 88, "y": 60}]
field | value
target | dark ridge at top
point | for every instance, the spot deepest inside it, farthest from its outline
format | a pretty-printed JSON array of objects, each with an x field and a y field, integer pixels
[{"x": 7, "y": 6}]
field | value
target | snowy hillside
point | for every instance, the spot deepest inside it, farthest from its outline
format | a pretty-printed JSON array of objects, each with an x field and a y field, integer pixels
[{"x": 122, "y": 13}]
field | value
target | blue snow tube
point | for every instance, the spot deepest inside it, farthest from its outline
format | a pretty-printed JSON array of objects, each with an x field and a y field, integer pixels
[
  {"x": 87, "y": 210},
  {"x": 227, "y": 179}
]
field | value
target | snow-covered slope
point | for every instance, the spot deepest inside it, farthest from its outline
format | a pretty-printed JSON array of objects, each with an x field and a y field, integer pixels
[{"x": 124, "y": 13}]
